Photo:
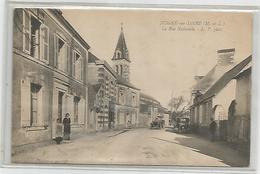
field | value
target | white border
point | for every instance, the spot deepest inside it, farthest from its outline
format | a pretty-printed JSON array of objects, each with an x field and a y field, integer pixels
[{"x": 6, "y": 76}]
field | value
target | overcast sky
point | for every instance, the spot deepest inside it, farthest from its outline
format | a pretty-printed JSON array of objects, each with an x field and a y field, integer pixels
[{"x": 164, "y": 61}]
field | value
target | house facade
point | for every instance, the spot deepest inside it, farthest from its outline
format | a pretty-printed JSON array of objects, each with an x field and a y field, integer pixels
[
  {"x": 240, "y": 111},
  {"x": 214, "y": 93},
  {"x": 127, "y": 102},
  {"x": 49, "y": 77},
  {"x": 114, "y": 100},
  {"x": 150, "y": 109},
  {"x": 104, "y": 83}
]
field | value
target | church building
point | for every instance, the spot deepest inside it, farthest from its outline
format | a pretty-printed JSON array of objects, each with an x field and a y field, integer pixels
[{"x": 127, "y": 101}]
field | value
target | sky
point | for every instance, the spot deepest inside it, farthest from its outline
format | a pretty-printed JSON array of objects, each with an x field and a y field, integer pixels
[{"x": 167, "y": 48}]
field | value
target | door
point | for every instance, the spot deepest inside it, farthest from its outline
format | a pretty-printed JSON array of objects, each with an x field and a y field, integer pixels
[{"x": 57, "y": 121}]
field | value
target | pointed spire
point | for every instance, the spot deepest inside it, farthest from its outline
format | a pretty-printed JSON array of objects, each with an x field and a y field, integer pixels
[{"x": 121, "y": 51}]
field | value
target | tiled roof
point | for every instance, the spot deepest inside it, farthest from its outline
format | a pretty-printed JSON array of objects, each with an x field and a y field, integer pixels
[
  {"x": 225, "y": 79},
  {"x": 211, "y": 77}
]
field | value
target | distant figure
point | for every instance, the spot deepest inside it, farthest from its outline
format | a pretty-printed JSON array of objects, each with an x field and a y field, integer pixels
[
  {"x": 66, "y": 124},
  {"x": 212, "y": 129}
]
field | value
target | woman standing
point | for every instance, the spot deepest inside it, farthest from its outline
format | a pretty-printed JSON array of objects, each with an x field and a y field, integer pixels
[{"x": 66, "y": 124}]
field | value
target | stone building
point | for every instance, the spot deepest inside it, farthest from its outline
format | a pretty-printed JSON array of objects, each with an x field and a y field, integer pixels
[
  {"x": 240, "y": 111},
  {"x": 113, "y": 99},
  {"x": 214, "y": 93},
  {"x": 150, "y": 108},
  {"x": 127, "y": 102},
  {"x": 102, "y": 93},
  {"x": 49, "y": 77}
]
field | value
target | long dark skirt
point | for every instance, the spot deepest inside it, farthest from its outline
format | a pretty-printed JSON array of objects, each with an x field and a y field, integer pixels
[{"x": 66, "y": 135}]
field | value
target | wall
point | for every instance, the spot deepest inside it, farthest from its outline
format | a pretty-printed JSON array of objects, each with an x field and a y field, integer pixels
[
  {"x": 125, "y": 109},
  {"x": 28, "y": 69},
  {"x": 225, "y": 97},
  {"x": 241, "y": 124},
  {"x": 40, "y": 74}
]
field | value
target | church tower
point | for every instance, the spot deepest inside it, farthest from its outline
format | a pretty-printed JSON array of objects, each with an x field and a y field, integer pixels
[{"x": 121, "y": 61}]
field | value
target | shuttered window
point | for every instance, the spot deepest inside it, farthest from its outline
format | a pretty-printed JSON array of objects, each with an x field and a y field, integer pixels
[
  {"x": 36, "y": 105},
  {"x": 61, "y": 52},
  {"x": 26, "y": 32},
  {"x": 78, "y": 68},
  {"x": 25, "y": 103},
  {"x": 34, "y": 111},
  {"x": 35, "y": 37},
  {"x": 44, "y": 43}
]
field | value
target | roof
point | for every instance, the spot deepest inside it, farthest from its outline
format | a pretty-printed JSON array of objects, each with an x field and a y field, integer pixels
[
  {"x": 154, "y": 103},
  {"x": 247, "y": 70},
  {"x": 121, "y": 46},
  {"x": 148, "y": 97},
  {"x": 225, "y": 79},
  {"x": 59, "y": 16},
  {"x": 211, "y": 77},
  {"x": 122, "y": 81},
  {"x": 92, "y": 58}
]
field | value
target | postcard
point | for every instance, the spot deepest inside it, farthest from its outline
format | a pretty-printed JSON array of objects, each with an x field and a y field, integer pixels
[{"x": 124, "y": 86}]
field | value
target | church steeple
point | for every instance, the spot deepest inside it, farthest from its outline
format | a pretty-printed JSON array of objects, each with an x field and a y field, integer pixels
[
  {"x": 121, "y": 60},
  {"x": 121, "y": 51}
]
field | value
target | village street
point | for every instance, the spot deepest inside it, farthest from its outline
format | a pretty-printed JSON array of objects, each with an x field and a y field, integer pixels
[{"x": 136, "y": 147}]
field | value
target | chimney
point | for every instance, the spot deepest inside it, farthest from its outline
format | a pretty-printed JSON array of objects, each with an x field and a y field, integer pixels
[{"x": 226, "y": 56}]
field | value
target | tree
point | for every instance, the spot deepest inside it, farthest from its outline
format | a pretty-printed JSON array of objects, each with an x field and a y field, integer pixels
[
  {"x": 177, "y": 106},
  {"x": 175, "y": 103}
]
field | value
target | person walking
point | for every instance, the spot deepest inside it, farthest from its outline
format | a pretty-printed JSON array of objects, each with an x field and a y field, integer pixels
[
  {"x": 212, "y": 129},
  {"x": 66, "y": 124}
]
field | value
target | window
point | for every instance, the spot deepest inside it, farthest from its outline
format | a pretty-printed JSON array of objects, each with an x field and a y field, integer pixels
[
  {"x": 44, "y": 50},
  {"x": 35, "y": 106},
  {"x": 78, "y": 69},
  {"x": 35, "y": 37},
  {"x": 134, "y": 101},
  {"x": 76, "y": 109},
  {"x": 117, "y": 68},
  {"x": 121, "y": 70},
  {"x": 26, "y": 32},
  {"x": 61, "y": 54},
  {"x": 118, "y": 54},
  {"x": 122, "y": 98}
]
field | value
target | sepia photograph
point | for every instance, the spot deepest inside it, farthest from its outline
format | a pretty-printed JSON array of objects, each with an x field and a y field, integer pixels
[{"x": 138, "y": 87}]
